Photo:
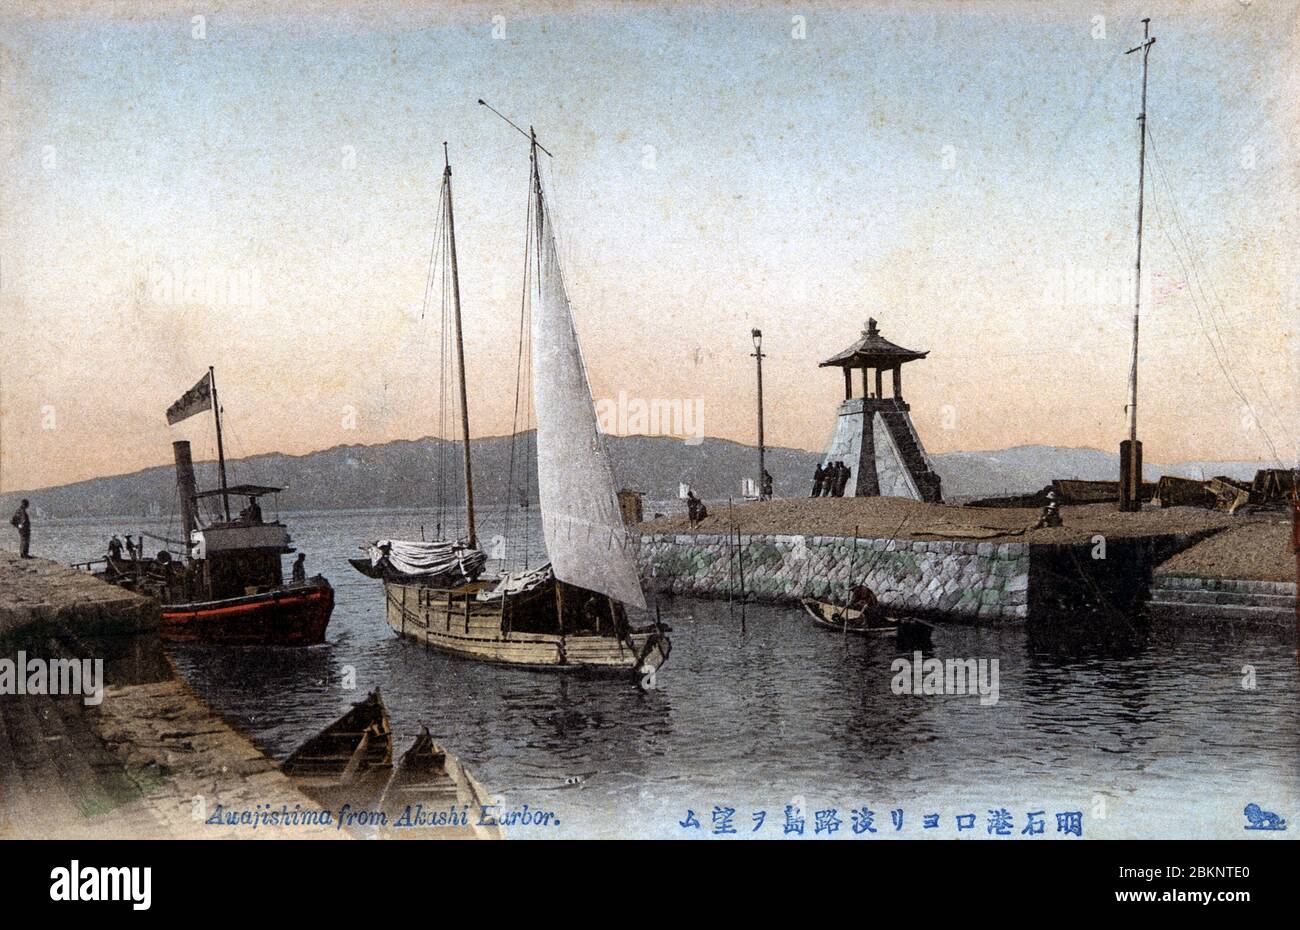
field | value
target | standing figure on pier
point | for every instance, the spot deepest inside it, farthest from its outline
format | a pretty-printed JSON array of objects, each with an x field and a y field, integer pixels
[
  {"x": 22, "y": 521},
  {"x": 766, "y": 490},
  {"x": 115, "y": 549},
  {"x": 695, "y": 509},
  {"x": 819, "y": 479},
  {"x": 841, "y": 478}
]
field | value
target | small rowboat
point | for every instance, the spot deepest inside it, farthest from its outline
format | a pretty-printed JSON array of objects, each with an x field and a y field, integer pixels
[
  {"x": 428, "y": 783},
  {"x": 866, "y": 620},
  {"x": 350, "y": 761}
]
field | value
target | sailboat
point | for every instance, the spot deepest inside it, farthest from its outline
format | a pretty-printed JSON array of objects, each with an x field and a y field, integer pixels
[
  {"x": 570, "y": 614},
  {"x": 439, "y": 562}
]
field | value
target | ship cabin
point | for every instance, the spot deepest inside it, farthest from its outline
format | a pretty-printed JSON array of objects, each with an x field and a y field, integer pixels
[{"x": 240, "y": 555}]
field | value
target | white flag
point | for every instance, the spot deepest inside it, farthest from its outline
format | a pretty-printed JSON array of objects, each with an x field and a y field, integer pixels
[{"x": 195, "y": 400}]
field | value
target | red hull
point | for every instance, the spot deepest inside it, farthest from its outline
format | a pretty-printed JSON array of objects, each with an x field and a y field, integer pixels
[{"x": 287, "y": 617}]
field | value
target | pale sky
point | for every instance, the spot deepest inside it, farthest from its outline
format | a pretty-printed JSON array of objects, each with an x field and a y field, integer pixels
[{"x": 965, "y": 173}]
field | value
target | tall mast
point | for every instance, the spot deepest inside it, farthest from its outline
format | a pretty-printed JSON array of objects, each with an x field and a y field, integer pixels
[
  {"x": 1131, "y": 452},
  {"x": 460, "y": 354},
  {"x": 537, "y": 188},
  {"x": 221, "y": 450}
]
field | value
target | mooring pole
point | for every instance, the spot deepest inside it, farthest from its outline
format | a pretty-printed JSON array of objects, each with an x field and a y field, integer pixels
[
  {"x": 1130, "y": 450},
  {"x": 757, "y": 354}
]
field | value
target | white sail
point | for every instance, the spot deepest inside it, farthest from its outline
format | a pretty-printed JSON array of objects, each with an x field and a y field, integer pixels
[{"x": 586, "y": 540}]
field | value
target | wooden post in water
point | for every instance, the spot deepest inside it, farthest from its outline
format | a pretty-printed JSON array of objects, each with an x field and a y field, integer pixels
[
  {"x": 740, "y": 568},
  {"x": 850, "y": 597},
  {"x": 731, "y": 566}
]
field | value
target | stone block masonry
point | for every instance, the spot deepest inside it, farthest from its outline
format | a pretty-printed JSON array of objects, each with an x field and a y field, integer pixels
[
  {"x": 132, "y": 766},
  {"x": 976, "y": 581},
  {"x": 36, "y": 592}
]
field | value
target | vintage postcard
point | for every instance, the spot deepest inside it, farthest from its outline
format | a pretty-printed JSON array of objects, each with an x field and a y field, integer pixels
[{"x": 594, "y": 420}]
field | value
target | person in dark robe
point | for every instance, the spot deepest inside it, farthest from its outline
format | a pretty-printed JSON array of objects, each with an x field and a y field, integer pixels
[
  {"x": 131, "y": 549},
  {"x": 694, "y": 507},
  {"x": 832, "y": 479},
  {"x": 22, "y": 522},
  {"x": 300, "y": 569},
  {"x": 591, "y": 618},
  {"x": 767, "y": 486},
  {"x": 1051, "y": 514},
  {"x": 252, "y": 513},
  {"x": 842, "y": 481},
  {"x": 115, "y": 548},
  {"x": 819, "y": 477}
]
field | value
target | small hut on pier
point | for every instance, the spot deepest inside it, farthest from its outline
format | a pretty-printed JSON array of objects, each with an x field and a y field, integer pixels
[{"x": 874, "y": 435}]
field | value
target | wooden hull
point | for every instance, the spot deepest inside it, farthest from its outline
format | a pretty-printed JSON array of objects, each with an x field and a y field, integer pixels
[
  {"x": 847, "y": 620},
  {"x": 454, "y": 622},
  {"x": 292, "y": 616},
  {"x": 350, "y": 761},
  {"x": 430, "y": 780}
]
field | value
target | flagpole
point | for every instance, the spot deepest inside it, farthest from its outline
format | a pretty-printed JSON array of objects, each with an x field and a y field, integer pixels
[{"x": 221, "y": 452}]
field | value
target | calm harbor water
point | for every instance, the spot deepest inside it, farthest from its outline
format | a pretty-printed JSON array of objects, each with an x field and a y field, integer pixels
[{"x": 1145, "y": 731}]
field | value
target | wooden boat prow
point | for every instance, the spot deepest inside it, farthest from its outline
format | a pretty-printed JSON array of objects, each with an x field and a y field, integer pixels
[
  {"x": 433, "y": 778},
  {"x": 348, "y": 762}
]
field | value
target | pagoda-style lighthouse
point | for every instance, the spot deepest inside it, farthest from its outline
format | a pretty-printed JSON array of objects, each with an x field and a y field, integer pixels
[{"x": 874, "y": 435}]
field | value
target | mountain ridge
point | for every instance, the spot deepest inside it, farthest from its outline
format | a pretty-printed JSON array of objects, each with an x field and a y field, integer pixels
[{"x": 401, "y": 473}]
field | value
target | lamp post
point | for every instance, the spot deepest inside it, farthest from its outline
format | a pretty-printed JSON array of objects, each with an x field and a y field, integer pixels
[{"x": 757, "y": 336}]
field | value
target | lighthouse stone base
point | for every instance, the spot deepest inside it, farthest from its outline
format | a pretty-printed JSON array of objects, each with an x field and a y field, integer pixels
[{"x": 875, "y": 438}]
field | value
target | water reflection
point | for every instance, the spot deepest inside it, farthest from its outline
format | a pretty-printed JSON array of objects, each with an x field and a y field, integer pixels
[{"x": 1146, "y": 716}]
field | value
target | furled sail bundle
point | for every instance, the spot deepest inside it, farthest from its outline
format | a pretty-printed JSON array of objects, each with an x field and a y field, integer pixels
[
  {"x": 514, "y": 583},
  {"x": 425, "y": 558},
  {"x": 449, "y": 562}
]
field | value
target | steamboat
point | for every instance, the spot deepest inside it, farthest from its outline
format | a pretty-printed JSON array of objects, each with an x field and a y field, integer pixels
[{"x": 227, "y": 585}]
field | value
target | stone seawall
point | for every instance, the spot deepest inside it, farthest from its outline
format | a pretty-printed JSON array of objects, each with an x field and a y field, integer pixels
[
  {"x": 132, "y": 766},
  {"x": 38, "y": 592},
  {"x": 1235, "y": 599},
  {"x": 976, "y": 581}
]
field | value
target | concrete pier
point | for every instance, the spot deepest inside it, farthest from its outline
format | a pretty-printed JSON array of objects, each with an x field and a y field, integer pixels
[{"x": 151, "y": 760}]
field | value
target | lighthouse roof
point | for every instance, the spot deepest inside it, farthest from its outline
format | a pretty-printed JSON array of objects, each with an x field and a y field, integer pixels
[{"x": 873, "y": 351}]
